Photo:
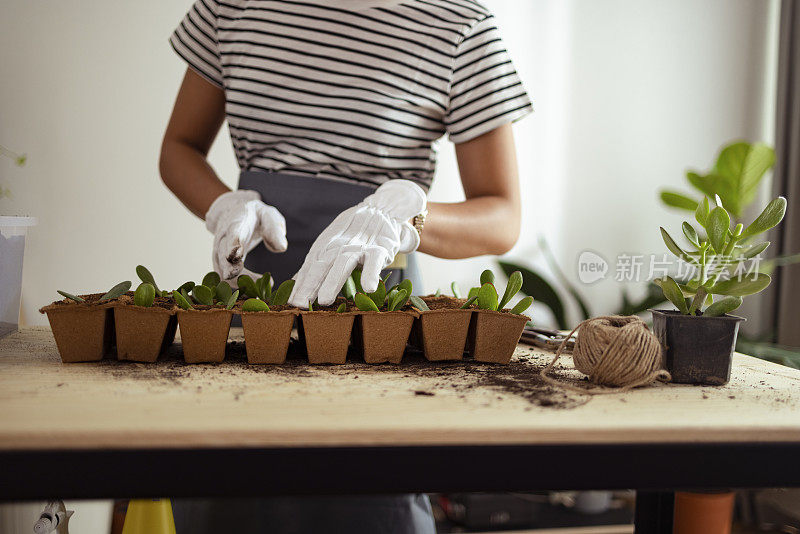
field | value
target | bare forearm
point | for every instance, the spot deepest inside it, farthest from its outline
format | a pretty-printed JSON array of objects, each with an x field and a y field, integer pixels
[{"x": 186, "y": 172}]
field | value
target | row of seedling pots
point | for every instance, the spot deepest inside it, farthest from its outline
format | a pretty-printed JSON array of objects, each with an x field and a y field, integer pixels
[{"x": 377, "y": 324}]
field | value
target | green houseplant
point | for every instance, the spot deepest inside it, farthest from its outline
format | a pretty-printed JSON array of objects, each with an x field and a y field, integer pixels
[{"x": 699, "y": 337}]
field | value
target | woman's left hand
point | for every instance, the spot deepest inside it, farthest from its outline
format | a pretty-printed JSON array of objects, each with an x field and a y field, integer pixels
[{"x": 368, "y": 234}]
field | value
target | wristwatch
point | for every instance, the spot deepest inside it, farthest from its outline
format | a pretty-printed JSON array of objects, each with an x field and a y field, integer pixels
[{"x": 419, "y": 221}]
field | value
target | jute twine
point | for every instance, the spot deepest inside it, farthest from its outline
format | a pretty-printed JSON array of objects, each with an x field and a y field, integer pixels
[{"x": 615, "y": 351}]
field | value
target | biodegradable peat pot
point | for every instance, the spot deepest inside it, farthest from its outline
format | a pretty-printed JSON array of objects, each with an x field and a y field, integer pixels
[
  {"x": 493, "y": 335},
  {"x": 267, "y": 335},
  {"x": 326, "y": 335},
  {"x": 143, "y": 333},
  {"x": 382, "y": 336},
  {"x": 697, "y": 349},
  {"x": 441, "y": 332},
  {"x": 84, "y": 332},
  {"x": 204, "y": 334}
]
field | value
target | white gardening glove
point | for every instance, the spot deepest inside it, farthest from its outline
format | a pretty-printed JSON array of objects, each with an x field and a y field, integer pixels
[
  {"x": 369, "y": 234},
  {"x": 239, "y": 221}
]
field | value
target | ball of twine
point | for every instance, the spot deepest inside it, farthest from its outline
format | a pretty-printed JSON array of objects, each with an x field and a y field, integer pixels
[{"x": 613, "y": 350}]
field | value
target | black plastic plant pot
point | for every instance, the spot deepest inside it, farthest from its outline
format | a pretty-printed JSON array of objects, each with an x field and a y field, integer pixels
[{"x": 697, "y": 349}]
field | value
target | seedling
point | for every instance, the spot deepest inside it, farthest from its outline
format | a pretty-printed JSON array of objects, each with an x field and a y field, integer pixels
[
  {"x": 113, "y": 293},
  {"x": 487, "y": 298},
  {"x": 146, "y": 276},
  {"x": 720, "y": 250},
  {"x": 281, "y": 295},
  {"x": 145, "y": 295},
  {"x": 181, "y": 301},
  {"x": 255, "y": 305},
  {"x": 455, "y": 289},
  {"x": 216, "y": 293},
  {"x": 418, "y": 303},
  {"x": 394, "y": 300},
  {"x": 342, "y": 308},
  {"x": 70, "y": 296}
]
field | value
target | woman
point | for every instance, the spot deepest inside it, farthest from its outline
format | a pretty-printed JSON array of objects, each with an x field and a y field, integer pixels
[{"x": 333, "y": 109}]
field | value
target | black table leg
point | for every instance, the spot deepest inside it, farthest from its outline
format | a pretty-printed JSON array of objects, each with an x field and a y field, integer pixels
[{"x": 654, "y": 511}]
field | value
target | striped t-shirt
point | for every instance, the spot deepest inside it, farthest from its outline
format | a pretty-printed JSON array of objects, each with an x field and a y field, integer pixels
[{"x": 343, "y": 90}]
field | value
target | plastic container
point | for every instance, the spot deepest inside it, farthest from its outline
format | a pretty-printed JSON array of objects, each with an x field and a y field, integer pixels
[
  {"x": 12, "y": 249},
  {"x": 697, "y": 349}
]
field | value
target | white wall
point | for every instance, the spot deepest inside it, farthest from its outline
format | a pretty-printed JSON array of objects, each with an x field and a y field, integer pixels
[{"x": 628, "y": 95}]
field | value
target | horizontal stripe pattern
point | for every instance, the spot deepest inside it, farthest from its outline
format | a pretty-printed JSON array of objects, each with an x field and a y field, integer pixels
[{"x": 357, "y": 94}]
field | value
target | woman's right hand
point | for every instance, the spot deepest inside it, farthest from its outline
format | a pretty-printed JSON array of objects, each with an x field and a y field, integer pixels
[{"x": 240, "y": 221}]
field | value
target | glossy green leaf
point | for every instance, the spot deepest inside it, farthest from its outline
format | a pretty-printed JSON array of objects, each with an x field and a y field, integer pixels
[
  {"x": 702, "y": 211},
  {"x": 470, "y": 301},
  {"x": 406, "y": 284},
  {"x": 674, "y": 294},
  {"x": 211, "y": 279},
  {"x": 512, "y": 288},
  {"x": 455, "y": 289},
  {"x": 223, "y": 292},
  {"x": 691, "y": 234},
  {"x": 185, "y": 295},
  {"x": 281, "y": 295},
  {"x": 261, "y": 288},
  {"x": 349, "y": 289},
  {"x": 438, "y": 292},
  {"x": 146, "y": 276},
  {"x": 70, "y": 296},
  {"x": 379, "y": 295},
  {"x": 770, "y": 217},
  {"x": 677, "y": 200},
  {"x": 342, "y": 308},
  {"x": 748, "y": 284},
  {"x": 364, "y": 303},
  {"x": 522, "y": 305},
  {"x": 418, "y": 303},
  {"x": 356, "y": 274},
  {"x": 754, "y": 250},
  {"x": 310, "y": 305},
  {"x": 247, "y": 286},
  {"x": 487, "y": 297},
  {"x": 399, "y": 300},
  {"x": 186, "y": 287},
  {"x": 181, "y": 301},
  {"x": 231, "y": 302},
  {"x": 145, "y": 295},
  {"x": 723, "y": 306},
  {"x": 203, "y": 295},
  {"x": 473, "y": 292},
  {"x": 254, "y": 305},
  {"x": 487, "y": 277},
  {"x": 267, "y": 277},
  {"x": 117, "y": 291},
  {"x": 673, "y": 246},
  {"x": 718, "y": 225}
]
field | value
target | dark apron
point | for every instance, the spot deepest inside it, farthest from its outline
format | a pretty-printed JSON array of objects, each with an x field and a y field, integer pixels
[{"x": 309, "y": 205}]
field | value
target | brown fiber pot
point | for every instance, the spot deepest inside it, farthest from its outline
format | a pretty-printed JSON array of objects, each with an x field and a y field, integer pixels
[
  {"x": 442, "y": 334},
  {"x": 493, "y": 335},
  {"x": 382, "y": 336},
  {"x": 83, "y": 333},
  {"x": 327, "y": 335},
  {"x": 204, "y": 334},
  {"x": 267, "y": 335},
  {"x": 143, "y": 333}
]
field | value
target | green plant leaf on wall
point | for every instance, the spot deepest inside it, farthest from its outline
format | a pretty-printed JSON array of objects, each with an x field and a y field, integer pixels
[{"x": 678, "y": 200}]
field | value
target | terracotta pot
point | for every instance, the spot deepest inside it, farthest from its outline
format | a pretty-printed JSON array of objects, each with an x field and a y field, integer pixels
[
  {"x": 442, "y": 334},
  {"x": 382, "y": 336},
  {"x": 83, "y": 333},
  {"x": 493, "y": 335},
  {"x": 326, "y": 335},
  {"x": 204, "y": 334},
  {"x": 703, "y": 513},
  {"x": 143, "y": 333},
  {"x": 267, "y": 335}
]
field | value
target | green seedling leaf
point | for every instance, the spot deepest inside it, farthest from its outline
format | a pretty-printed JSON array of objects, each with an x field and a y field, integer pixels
[
  {"x": 203, "y": 295},
  {"x": 147, "y": 277},
  {"x": 718, "y": 225},
  {"x": 342, "y": 308},
  {"x": 310, "y": 305},
  {"x": 181, "y": 301},
  {"x": 406, "y": 284},
  {"x": 487, "y": 277},
  {"x": 418, "y": 303},
  {"x": 512, "y": 288},
  {"x": 487, "y": 297},
  {"x": 747, "y": 285},
  {"x": 117, "y": 291},
  {"x": 145, "y": 295},
  {"x": 185, "y": 295},
  {"x": 691, "y": 234},
  {"x": 356, "y": 274},
  {"x": 379, "y": 295},
  {"x": 349, "y": 289},
  {"x": 702, "y": 211},
  {"x": 473, "y": 292},
  {"x": 677, "y": 200},
  {"x": 399, "y": 300},
  {"x": 281, "y": 295},
  {"x": 186, "y": 287},
  {"x": 391, "y": 295},
  {"x": 223, "y": 292},
  {"x": 211, "y": 279},
  {"x": 247, "y": 286},
  {"x": 364, "y": 303},
  {"x": 254, "y": 305},
  {"x": 456, "y": 290},
  {"x": 438, "y": 293},
  {"x": 267, "y": 277},
  {"x": 231, "y": 302},
  {"x": 70, "y": 296},
  {"x": 522, "y": 305},
  {"x": 261, "y": 288},
  {"x": 673, "y": 246},
  {"x": 674, "y": 294},
  {"x": 470, "y": 301},
  {"x": 770, "y": 217},
  {"x": 723, "y": 306}
]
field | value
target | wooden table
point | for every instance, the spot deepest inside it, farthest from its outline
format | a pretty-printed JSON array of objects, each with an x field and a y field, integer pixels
[{"x": 113, "y": 429}]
